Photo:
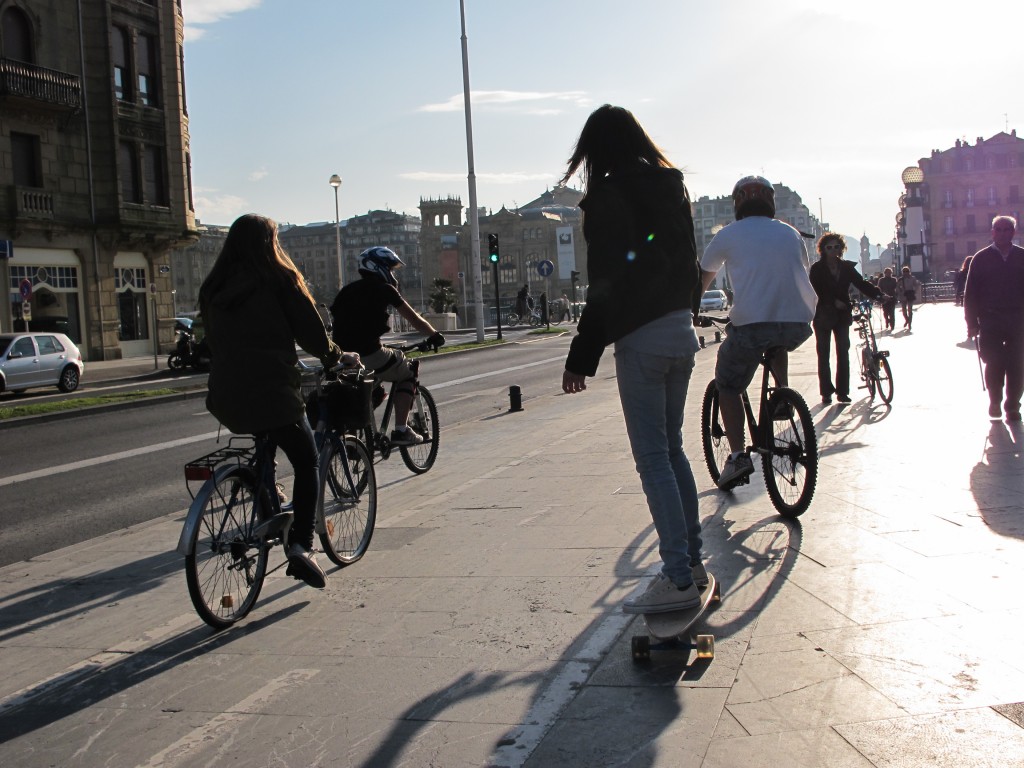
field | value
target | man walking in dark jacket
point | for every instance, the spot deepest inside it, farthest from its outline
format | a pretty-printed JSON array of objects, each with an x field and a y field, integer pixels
[{"x": 994, "y": 310}]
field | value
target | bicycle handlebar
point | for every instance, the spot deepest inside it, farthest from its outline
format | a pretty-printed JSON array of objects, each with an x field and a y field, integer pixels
[{"x": 706, "y": 321}]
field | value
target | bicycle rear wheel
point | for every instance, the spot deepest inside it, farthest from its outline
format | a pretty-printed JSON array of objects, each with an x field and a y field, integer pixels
[
  {"x": 228, "y": 563},
  {"x": 348, "y": 500},
  {"x": 712, "y": 432},
  {"x": 883, "y": 380},
  {"x": 790, "y": 462},
  {"x": 423, "y": 418}
]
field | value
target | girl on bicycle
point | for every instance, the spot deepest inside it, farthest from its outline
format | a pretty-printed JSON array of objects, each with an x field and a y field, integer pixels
[
  {"x": 644, "y": 283},
  {"x": 256, "y": 307}
]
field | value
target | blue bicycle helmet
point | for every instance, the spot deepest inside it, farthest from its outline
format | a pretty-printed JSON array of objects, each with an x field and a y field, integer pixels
[{"x": 379, "y": 261}]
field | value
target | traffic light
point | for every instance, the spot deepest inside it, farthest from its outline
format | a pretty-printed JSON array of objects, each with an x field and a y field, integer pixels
[
  {"x": 575, "y": 276},
  {"x": 492, "y": 248}
]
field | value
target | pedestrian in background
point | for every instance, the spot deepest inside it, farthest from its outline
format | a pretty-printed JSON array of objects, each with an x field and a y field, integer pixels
[
  {"x": 994, "y": 311},
  {"x": 256, "y": 308},
  {"x": 832, "y": 278},
  {"x": 644, "y": 284},
  {"x": 960, "y": 281},
  {"x": 909, "y": 288},
  {"x": 887, "y": 285}
]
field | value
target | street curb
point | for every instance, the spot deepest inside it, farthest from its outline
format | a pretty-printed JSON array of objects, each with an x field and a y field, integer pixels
[{"x": 89, "y": 410}]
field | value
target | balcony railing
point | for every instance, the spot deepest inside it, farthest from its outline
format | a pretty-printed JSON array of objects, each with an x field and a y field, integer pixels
[
  {"x": 33, "y": 203},
  {"x": 28, "y": 81}
]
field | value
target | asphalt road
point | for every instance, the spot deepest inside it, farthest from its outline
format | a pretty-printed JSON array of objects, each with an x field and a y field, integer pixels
[{"x": 78, "y": 477}]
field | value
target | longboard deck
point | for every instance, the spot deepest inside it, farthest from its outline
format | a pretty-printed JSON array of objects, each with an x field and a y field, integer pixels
[{"x": 673, "y": 625}]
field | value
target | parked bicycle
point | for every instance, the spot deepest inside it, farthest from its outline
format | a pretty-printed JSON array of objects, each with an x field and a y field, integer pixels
[
  {"x": 533, "y": 318},
  {"x": 237, "y": 517},
  {"x": 782, "y": 434},
  {"x": 874, "y": 363},
  {"x": 422, "y": 418}
]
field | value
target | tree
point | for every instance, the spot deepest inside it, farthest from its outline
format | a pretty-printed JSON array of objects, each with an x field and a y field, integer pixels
[{"x": 443, "y": 295}]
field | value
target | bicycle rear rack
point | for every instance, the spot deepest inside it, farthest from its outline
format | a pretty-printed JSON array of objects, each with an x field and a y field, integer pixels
[{"x": 239, "y": 450}]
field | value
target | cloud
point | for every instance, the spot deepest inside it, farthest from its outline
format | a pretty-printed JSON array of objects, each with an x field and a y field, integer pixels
[
  {"x": 528, "y": 102},
  {"x": 258, "y": 175},
  {"x": 212, "y": 207},
  {"x": 202, "y": 12},
  {"x": 489, "y": 178}
]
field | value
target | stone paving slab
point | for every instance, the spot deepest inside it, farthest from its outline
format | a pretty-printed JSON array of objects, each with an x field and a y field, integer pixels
[{"x": 484, "y": 625}]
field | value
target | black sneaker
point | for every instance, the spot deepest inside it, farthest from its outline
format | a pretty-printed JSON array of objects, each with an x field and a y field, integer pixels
[{"x": 302, "y": 565}]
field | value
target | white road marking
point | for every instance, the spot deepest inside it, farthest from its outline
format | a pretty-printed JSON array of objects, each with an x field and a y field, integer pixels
[
  {"x": 96, "y": 460},
  {"x": 434, "y": 387}
]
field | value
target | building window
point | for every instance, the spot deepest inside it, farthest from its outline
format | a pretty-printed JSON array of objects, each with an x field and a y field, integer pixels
[
  {"x": 1014, "y": 193},
  {"x": 950, "y": 250},
  {"x": 27, "y": 160},
  {"x": 972, "y": 246},
  {"x": 121, "y": 56},
  {"x": 145, "y": 62},
  {"x": 970, "y": 197},
  {"x": 969, "y": 227},
  {"x": 154, "y": 176},
  {"x": 17, "y": 36},
  {"x": 948, "y": 202},
  {"x": 947, "y": 226},
  {"x": 128, "y": 168},
  {"x": 992, "y": 196}
]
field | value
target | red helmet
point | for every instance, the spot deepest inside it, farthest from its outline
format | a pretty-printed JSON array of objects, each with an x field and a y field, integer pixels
[{"x": 749, "y": 189}]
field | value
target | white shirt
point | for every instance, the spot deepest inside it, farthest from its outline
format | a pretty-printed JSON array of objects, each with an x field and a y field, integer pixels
[{"x": 766, "y": 264}]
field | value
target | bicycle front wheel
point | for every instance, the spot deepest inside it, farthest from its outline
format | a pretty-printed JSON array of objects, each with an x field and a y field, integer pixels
[
  {"x": 423, "y": 418},
  {"x": 867, "y": 372},
  {"x": 790, "y": 458},
  {"x": 511, "y": 319},
  {"x": 712, "y": 432},
  {"x": 228, "y": 563},
  {"x": 883, "y": 380},
  {"x": 348, "y": 500}
]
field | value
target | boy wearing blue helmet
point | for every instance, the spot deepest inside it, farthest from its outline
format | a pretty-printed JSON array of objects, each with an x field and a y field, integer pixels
[{"x": 360, "y": 314}]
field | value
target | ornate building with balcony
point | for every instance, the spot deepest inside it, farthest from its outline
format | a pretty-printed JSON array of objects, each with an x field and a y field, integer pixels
[
  {"x": 962, "y": 189},
  {"x": 95, "y": 182}
]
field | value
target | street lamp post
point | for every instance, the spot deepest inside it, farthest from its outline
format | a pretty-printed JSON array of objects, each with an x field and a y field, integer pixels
[{"x": 336, "y": 182}]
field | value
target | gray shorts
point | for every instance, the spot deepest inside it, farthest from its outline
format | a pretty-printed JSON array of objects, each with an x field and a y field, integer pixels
[
  {"x": 745, "y": 345},
  {"x": 388, "y": 364}
]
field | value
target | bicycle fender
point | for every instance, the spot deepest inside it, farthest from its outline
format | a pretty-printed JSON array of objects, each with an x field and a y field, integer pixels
[{"x": 195, "y": 511}]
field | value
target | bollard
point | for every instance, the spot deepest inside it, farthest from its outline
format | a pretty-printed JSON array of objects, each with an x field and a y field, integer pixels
[
  {"x": 718, "y": 336},
  {"x": 515, "y": 399},
  {"x": 701, "y": 340}
]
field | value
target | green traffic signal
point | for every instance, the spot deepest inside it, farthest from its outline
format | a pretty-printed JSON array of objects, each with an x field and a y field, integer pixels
[{"x": 492, "y": 248}]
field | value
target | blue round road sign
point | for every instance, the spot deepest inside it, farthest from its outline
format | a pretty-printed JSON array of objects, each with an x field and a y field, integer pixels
[
  {"x": 26, "y": 289},
  {"x": 545, "y": 268}
]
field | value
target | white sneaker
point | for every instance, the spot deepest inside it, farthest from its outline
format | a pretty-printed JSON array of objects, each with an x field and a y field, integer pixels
[
  {"x": 302, "y": 565},
  {"x": 407, "y": 436},
  {"x": 663, "y": 596},
  {"x": 700, "y": 575},
  {"x": 736, "y": 470}
]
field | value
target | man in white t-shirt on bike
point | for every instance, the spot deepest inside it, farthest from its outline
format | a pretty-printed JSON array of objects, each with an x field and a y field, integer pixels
[{"x": 766, "y": 263}]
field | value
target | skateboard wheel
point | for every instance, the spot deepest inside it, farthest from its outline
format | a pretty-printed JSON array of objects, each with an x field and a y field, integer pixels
[
  {"x": 641, "y": 647},
  {"x": 716, "y": 596},
  {"x": 705, "y": 646}
]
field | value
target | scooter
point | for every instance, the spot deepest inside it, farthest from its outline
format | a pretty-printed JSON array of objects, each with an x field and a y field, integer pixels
[{"x": 188, "y": 352}]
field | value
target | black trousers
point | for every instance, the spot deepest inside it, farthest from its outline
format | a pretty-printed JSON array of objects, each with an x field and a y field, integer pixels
[
  {"x": 1001, "y": 343},
  {"x": 825, "y": 329},
  {"x": 298, "y": 444}
]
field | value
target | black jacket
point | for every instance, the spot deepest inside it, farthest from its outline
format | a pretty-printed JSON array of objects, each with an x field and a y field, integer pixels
[
  {"x": 641, "y": 258},
  {"x": 994, "y": 287},
  {"x": 831, "y": 289}
]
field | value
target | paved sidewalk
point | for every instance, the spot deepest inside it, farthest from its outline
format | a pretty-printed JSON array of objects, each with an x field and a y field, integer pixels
[{"x": 483, "y": 627}]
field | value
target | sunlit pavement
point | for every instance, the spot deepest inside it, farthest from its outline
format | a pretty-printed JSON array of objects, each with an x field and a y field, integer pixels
[{"x": 483, "y": 628}]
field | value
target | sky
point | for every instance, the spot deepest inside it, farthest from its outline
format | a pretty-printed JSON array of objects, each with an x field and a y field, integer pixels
[{"x": 831, "y": 98}]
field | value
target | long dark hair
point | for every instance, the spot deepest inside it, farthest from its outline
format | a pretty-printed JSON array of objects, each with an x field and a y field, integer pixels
[
  {"x": 252, "y": 246},
  {"x": 613, "y": 140}
]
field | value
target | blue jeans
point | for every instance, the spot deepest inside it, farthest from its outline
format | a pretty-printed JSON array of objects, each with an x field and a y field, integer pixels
[{"x": 652, "y": 389}]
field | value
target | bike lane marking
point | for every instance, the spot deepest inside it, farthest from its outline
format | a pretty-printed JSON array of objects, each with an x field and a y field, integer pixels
[{"x": 84, "y": 463}]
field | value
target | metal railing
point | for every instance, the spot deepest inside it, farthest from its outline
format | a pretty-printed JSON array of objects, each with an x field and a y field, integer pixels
[{"x": 18, "y": 78}]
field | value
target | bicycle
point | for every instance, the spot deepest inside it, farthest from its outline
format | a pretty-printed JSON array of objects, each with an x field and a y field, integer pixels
[
  {"x": 874, "y": 363},
  {"x": 422, "y": 418},
  {"x": 533, "y": 318},
  {"x": 782, "y": 434},
  {"x": 237, "y": 517}
]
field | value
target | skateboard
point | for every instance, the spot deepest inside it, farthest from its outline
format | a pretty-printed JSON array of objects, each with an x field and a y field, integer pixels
[{"x": 672, "y": 629}]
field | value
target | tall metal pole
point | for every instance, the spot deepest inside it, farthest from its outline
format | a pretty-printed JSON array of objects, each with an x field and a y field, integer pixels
[
  {"x": 336, "y": 182},
  {"x": 474, "y": 221}
]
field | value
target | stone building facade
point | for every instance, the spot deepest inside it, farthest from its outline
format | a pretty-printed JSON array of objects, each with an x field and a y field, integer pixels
[
  {"x": 963, "y": 189},
  {"x": 95, "y": 183}
]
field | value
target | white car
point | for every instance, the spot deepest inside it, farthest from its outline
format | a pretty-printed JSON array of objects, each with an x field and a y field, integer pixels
[
  {"x": 714, "y": 300},
  {"x": 39, "y": 360}
]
